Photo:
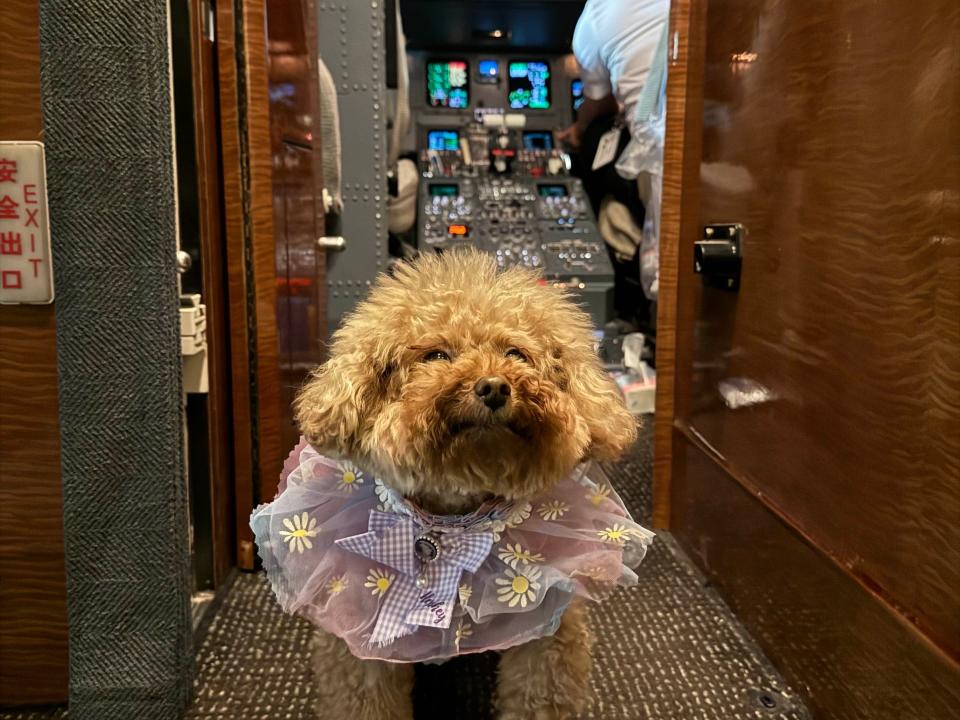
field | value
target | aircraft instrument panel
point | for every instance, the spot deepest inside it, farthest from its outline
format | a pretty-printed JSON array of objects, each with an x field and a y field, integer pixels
[{"x": 492, "y": 176}]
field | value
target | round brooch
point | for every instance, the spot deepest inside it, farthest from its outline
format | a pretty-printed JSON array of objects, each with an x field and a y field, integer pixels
[{"x": 427, "y": 547}]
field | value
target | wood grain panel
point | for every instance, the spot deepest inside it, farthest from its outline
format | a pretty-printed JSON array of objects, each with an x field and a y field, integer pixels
[
  {"x": 850, "y": 655},
  {"x": 214, "y": 269},
  {"x": 20, "y": 70},
  {"x": 678, "y": 224},
  {"x": 835, "y": 143},
  {"x": 262, "y": 249},
  {"x": 270, "y": 199},
  {"x": 232, "y": 173},
  {"x": 33, "y": 613}
]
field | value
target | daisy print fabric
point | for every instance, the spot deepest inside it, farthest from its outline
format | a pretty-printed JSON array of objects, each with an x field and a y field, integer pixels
[{"x": 340, "y": 548}]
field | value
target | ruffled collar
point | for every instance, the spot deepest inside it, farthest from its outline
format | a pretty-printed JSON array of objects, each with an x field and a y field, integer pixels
[{"x": 349, "y": 553}]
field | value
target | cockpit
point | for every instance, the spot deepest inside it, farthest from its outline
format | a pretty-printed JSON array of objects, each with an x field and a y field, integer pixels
[{"x": 474, "y": 103}]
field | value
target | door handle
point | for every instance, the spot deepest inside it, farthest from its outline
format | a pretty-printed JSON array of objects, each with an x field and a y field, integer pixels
[
  {"x": 718, "y": 256},
  {"x": 336, "y": 243}
]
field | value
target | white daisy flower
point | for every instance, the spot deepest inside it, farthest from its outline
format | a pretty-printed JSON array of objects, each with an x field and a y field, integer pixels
[
  {"x": 337, "y": 585},
  {"x": 519, "y": 587},
  {"x": 300, "y": 528},
  {"x": 598, "y": 494},
  {"x": 386, "y": 496},
  {"x": 597, "y": 573},
  {"x": 514, "y": 554},
  {"x": 519, "y": 514},
  {"x": 553, "y": 510},
  {"x": 515, "y": 517},
  {"x": 351, "y": 477},
  {"x": 379, "y": 581},
  {"x": 616, "y": 535},
  {"x": 464, "y": 592}
]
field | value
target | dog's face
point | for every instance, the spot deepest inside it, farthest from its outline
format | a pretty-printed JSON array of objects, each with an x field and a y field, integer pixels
[{"x": 454, "y": 381}]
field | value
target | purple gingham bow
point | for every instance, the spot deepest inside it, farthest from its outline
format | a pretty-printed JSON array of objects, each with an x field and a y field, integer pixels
[{"x": 390, "y": 540}]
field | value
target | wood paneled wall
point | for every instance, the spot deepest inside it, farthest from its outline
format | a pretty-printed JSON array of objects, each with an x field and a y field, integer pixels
[
  {"x": 272, "y": 219},
  {"x": 33, "y": 612},
  {"x": 827, "y": 508},
  {"x": 679, "y": 207}
]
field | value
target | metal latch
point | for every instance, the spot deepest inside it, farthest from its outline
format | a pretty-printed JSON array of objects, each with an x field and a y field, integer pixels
[
  {"x": 718, "y": 256},
  {"x": 336, "y": 243}
]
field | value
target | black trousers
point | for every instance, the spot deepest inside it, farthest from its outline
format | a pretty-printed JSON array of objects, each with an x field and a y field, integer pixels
[{"x": 630, "y": 304}]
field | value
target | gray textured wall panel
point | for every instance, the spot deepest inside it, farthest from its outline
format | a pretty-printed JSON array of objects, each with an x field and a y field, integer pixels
[
  {"x": 107, "y": 124},
  {"x": 352, "y": 47}
]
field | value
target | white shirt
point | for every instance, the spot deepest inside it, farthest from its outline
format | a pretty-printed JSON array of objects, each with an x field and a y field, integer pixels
[{"x": 614, "y": 43}]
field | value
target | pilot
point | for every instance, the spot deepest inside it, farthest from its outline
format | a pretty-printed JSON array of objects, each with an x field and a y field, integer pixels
[{"x": 615, "y": 43}]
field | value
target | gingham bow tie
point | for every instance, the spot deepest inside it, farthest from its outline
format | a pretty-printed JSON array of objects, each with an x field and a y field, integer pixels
[{"x": 426, "y": 590}]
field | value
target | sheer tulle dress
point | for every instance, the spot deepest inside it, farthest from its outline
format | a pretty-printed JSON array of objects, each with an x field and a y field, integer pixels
[{"x": 345, "y": 551}]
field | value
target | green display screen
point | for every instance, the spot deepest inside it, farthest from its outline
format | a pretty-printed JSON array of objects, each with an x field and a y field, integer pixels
[
  {"x": 445, "y": 190},
  {"x": 529, "y": 84},
  {"x": 448, "y": 84}
]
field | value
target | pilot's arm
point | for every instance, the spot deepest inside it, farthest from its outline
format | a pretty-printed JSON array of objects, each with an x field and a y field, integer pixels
[{"x": 598, "y": 98}]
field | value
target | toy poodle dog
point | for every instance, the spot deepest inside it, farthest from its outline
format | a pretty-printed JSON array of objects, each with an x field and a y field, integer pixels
[{"x": 444, "y": 501}]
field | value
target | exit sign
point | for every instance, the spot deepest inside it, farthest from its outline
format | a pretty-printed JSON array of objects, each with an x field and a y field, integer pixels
[{"x": 26, "y": 265}]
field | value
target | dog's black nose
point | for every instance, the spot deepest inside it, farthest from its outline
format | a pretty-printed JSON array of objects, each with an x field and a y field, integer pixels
[{"x": 493, "y": 390}]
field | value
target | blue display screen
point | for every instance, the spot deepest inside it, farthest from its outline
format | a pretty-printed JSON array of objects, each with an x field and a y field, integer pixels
[
  {"x": 488, "y": 68},
  {"x": 537, "y": 140},
  {"x": 576, "y": 94},
  {"x": 443, "y": 140},
  {"x": 529, "y": 84}
]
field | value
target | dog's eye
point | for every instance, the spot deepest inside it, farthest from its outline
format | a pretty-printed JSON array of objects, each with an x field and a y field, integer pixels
[
  {"x": 517, "y": 354},
  {"x": 435, "y": 355}
]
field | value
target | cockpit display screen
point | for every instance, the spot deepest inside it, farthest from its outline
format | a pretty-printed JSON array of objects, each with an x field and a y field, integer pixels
[
  {"x": 537, "y": 140},
  {"x": 444, "y": 190},
  {"x": 576, "y": 94},
  {"x": 488, "y": 69},
  {"x": 448, "y": 84},
  {"x": 552, "y": 190},
  {"x": 443, "y": 140},
  {"x": 529, "y": 84}
]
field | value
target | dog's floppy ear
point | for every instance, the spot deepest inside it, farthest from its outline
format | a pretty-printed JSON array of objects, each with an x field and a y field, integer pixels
[
  {"x": 612, "y": 428},
  {"x": 332, "y": 407}
]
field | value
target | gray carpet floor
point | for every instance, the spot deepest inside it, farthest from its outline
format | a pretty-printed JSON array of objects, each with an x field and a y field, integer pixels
[{"x": 667, "y": 649}]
